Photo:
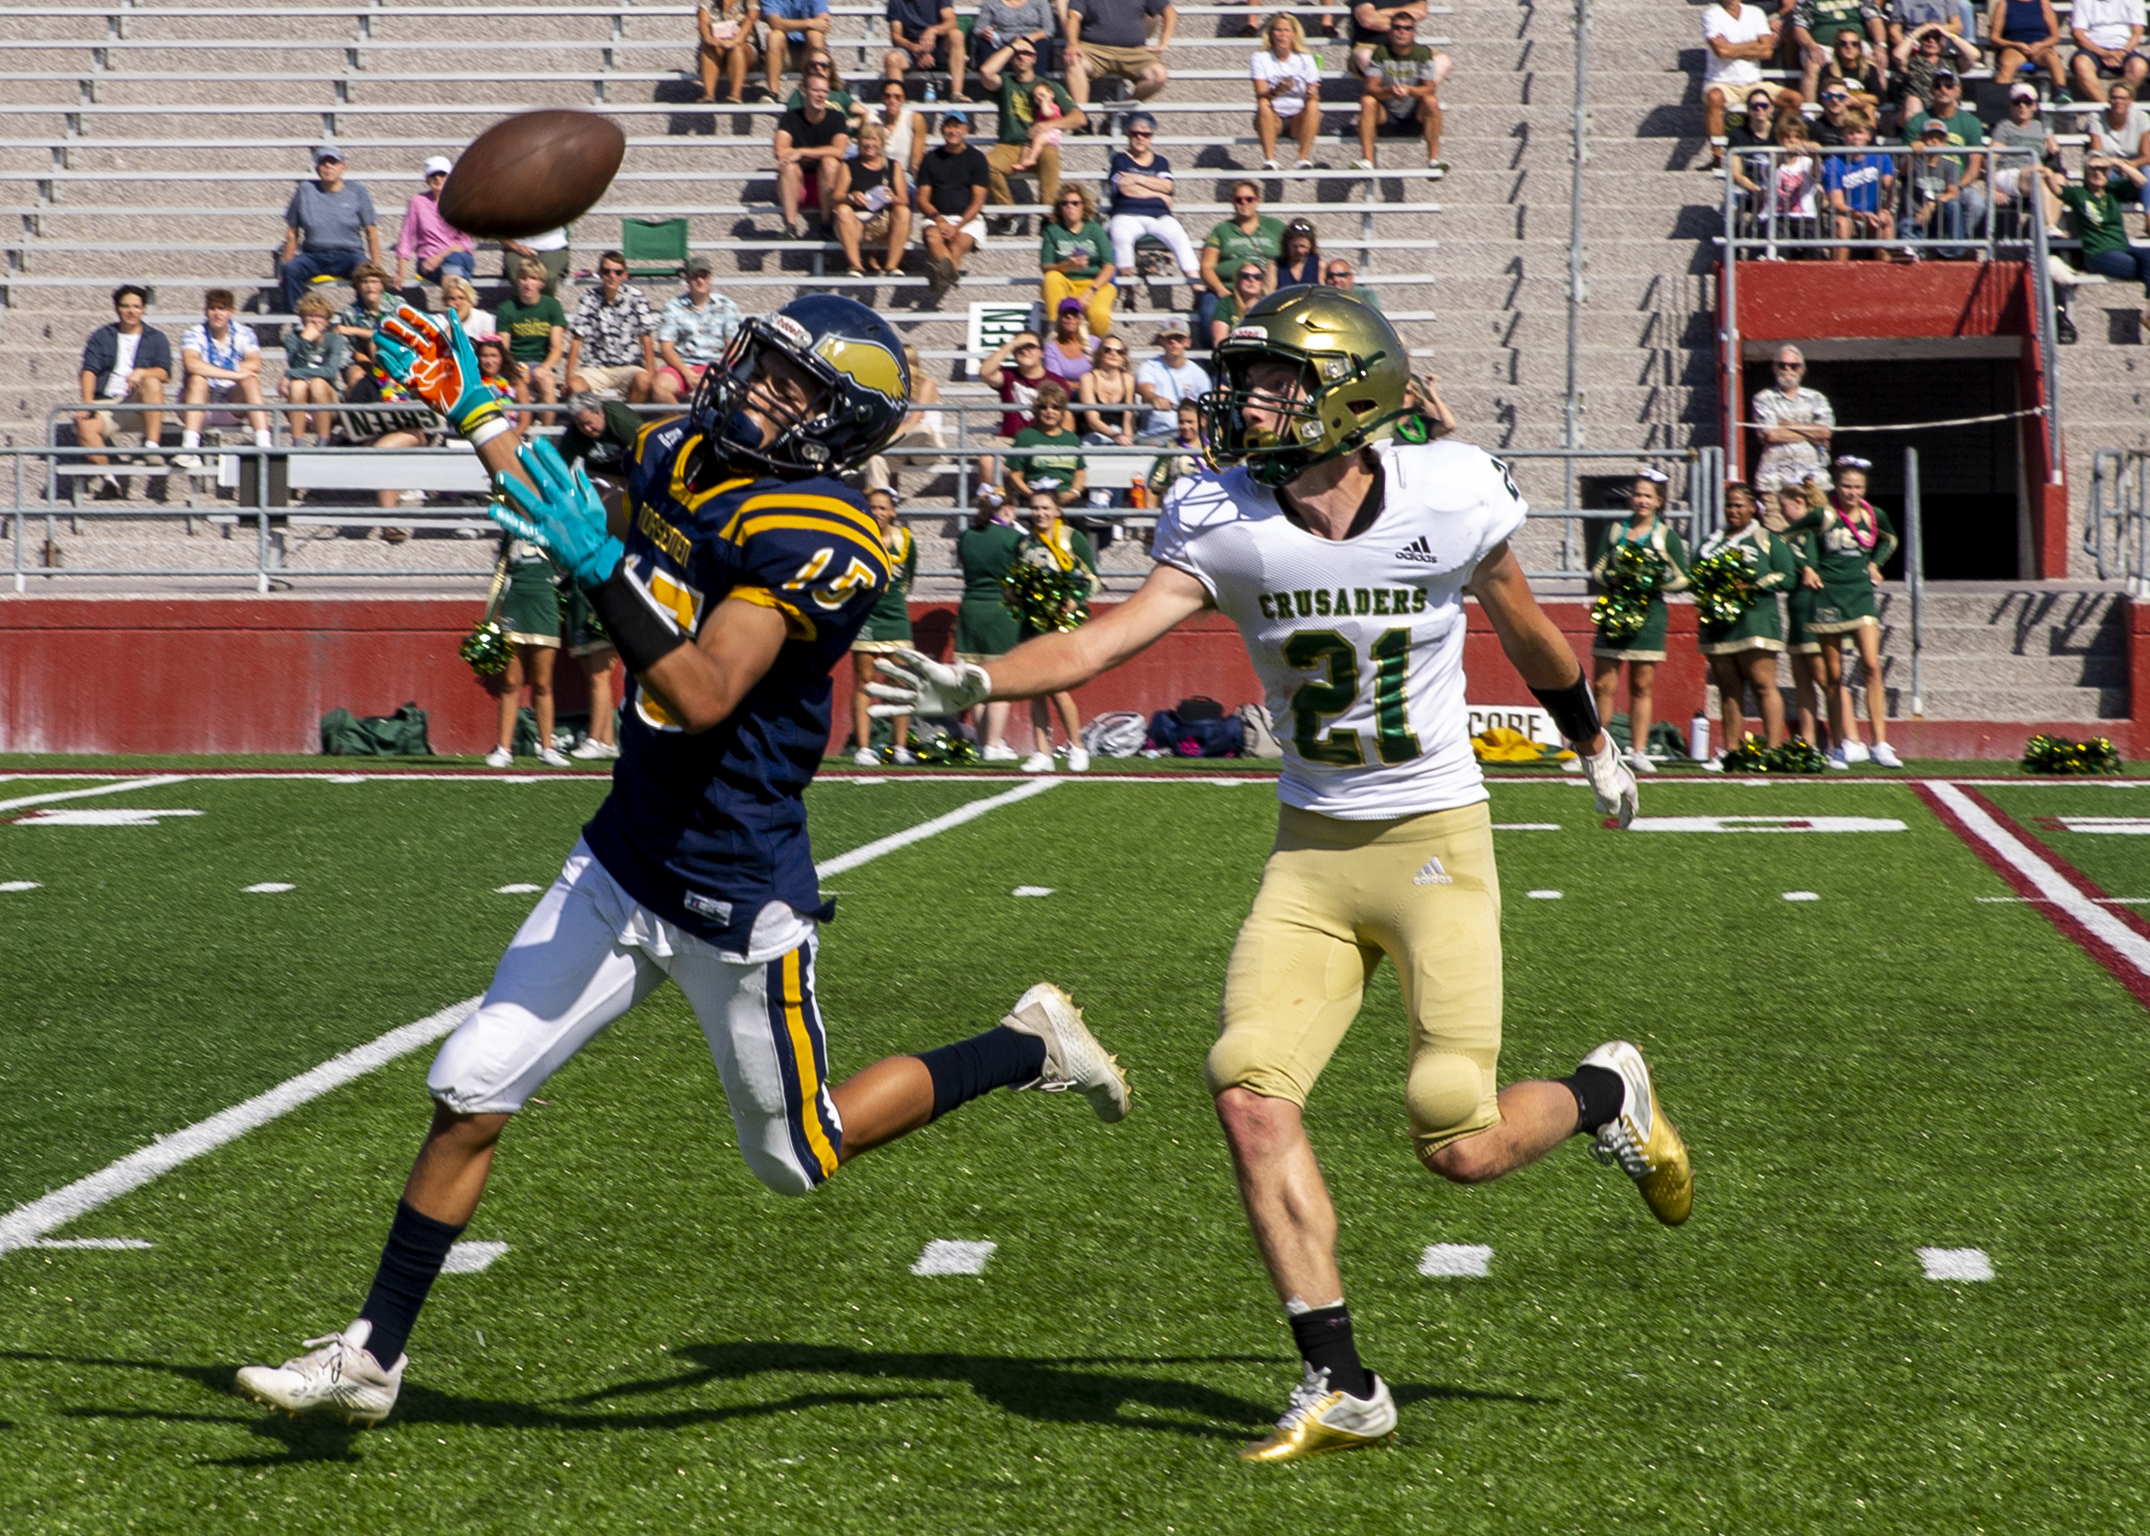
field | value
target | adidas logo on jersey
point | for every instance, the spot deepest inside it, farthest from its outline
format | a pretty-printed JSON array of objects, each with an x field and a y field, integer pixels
[
  {"x": 1418, "y": 549},
  {"x": 1433, "y": 874}
]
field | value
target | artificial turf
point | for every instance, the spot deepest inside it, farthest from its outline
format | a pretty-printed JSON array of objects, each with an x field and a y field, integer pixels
[{"x": 666, "y": 1346}]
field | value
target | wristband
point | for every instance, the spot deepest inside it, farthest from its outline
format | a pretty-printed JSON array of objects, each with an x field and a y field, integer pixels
[
  {"x": 639, "y": 634},
  {"x": 485, "y": 431},
  {"x": 1574, "y": 711}
]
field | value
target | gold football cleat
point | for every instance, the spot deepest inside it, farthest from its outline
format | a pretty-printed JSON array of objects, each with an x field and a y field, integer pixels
[
  {"x": 1319, "y": 1421},
  {"x": 1642, "y": 1140}
]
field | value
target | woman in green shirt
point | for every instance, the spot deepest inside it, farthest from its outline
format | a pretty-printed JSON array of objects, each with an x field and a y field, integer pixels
[
  {"x": 1061, "y": 471},
  {"x": 1743, "y": 653},
  {"x": 1051, "y": 542},
  {"x": 1854, "y": 540},
  {"x": 2106, "y": 248},
  {"x": 985, "y": 629},
  {"x": 888, "y": 628},
  {"x": 1645, "y": 648},
  {"x": 1077, "y": 258}
]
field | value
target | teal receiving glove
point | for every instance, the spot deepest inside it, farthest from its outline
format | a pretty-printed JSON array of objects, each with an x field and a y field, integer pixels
[
  {"x": 563, "y": 516},
  {"x": 431, "y": 357}
]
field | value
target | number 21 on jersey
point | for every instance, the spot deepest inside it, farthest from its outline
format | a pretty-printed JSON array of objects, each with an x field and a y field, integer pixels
[{"x": 1320, "y": 700}]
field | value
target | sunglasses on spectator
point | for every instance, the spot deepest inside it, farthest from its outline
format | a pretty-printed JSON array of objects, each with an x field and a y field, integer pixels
[
  {"x": 1335, "y": 272},
  {"x": 611, "y": 271},
  {"x": 1244, "y": 197},
  {"x": 1028, "y": 346},
  {"x": 1836, "y": 96},
  {"x": 1791, "y": 367},
  {"x": 1251, "y": 274},
  {"x": 1114, "y": 350}
]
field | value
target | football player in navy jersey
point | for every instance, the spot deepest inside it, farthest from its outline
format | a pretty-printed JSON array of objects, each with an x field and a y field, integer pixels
[{"x": 736, "y": 571}]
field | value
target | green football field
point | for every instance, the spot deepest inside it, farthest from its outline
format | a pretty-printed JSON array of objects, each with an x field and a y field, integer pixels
[{"x": 1913, "y": 1053}]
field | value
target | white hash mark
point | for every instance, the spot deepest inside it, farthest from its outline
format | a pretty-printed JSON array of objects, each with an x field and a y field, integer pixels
[
  {"x": 129, "y": 816},
  {"x": 1449, "y": 1260},
  {"x": 94, "y": 1242},
  {"x": 1032, "y": 890},
  {"x": 1801, "y": 896},
  {"x": 18, "y": 885},
  {"x": 1543, "y": 895},
  {"x": 1526, "y": 826},
  {"x": 469, "y": 1258},
  {"x": 944, "y": 1256},
  {"x": 515, "y": 890},
  {"x": 270, "y": 888},
  {"x": 1956, "y": 1263}
]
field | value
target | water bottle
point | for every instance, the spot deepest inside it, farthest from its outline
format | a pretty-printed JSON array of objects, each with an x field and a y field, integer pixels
[
  {"x": 1698, "y": 739},
  {"x": 931, "y": 94}
]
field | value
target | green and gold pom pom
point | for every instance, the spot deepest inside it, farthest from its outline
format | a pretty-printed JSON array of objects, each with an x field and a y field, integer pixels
[
  {"x": 1796, "y": 756},
  {"x": 1633, "y": 574},
  {"x": 1750, "y": 756},
  {"x": 950, "y": 751},
  {"x": 486, "y": 649},
  {"x": 2056, "y": 754},
  {"x": 1721, "y": 589},
  {"x": 1046, "y": 598}
]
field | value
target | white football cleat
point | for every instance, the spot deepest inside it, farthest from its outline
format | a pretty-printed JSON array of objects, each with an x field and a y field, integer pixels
[
  {"x": 500, "y": 757},
  {"x": 1319, "y": 1420},
  {"x": 1641, "y": 1140},
  {"x": 339, "y": 1377},
  {"x": 1073, "y": 1058}
]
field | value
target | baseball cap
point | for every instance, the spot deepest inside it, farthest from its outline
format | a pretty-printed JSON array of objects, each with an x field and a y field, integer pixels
[
  {"x": 1068, "y": 304},
  {"x": 326, "y": 152},
  {"x": 697, "y": 264},
  {"x": 1945, "y": 74},
  {"x": 1173, "y": 328},
  {"x": 440, "y": 163},
  {"x": 955, "y": 116},
  {"x": 1934, "y": 128},
  {"x": 2023, "y": 93}
]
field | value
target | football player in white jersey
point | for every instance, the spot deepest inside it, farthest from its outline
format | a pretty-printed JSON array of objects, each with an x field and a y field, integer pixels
[{"x": 1343, "y": 551}]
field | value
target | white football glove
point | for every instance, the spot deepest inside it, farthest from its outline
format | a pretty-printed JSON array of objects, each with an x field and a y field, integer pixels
[
  {"x": 1613, "y": 782},
  {"x": 916, "y": 684}
]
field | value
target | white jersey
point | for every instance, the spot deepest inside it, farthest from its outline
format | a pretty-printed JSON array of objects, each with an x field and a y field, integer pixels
[{"x": 1358, "y": 642}]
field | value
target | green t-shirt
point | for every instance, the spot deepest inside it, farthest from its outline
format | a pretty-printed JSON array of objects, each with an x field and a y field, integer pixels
[
  {"x": 1047, "y": 471},
  {"x": 840, "y": 102},
  {"x": 1234, "y": 245},
  {"x": 985, "y": 555},
  {"x": 1964, "y": 128},
  {"x": 1400, "y": 71},
  {"x": 2097, "y": 219},
  {"x": 1060, "y": 243},
  {"x": 1019, "y": 108},
  {"x": 529, "y": 331}
]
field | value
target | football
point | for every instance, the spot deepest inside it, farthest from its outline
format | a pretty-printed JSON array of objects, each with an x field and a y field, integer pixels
[{"x": 532, "y": 172}]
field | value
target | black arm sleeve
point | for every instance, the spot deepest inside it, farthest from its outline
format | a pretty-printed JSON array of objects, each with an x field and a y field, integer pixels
[
  {"x": 639, "y": 634},
  {"x": 1574, "y": 711}
]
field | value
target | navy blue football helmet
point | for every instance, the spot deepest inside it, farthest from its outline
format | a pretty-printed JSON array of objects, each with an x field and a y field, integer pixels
[{"x": 857, "y": 389}]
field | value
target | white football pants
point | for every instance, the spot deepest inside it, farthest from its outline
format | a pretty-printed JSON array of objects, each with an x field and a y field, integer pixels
[{"x": 587, "y": 954}]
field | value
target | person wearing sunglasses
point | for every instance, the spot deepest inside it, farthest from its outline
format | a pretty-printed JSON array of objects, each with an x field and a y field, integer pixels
[
  {"x": 1248, "y": 285},
  {"x": 1034, "y": 112},
  {"x": 1853, "y": 66},
  {"x": 1075, "y": 256},
  {"x": 1337, "y": 273},
  {"x": 1109, "y": 401},
  {"x": 1796, "y": 425},
  {"x": 1248, "y": 235},
  {"x": 1141, "y": 183},
  {"x": 1753, "y": 172},
  {"x": 1817, "y": 27},
  {"x": 330, "y": 228}
]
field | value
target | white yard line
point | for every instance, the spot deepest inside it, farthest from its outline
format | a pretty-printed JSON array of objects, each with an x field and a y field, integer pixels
[
  {"x": 1955, "y": 1263},
  {"x": 946, "y": 1256},
  {"x": 97, "y": 789},
  {"x": 27, "y": 1224}
]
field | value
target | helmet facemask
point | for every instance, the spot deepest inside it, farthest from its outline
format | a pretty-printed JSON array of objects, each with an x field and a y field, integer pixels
[
  {"x": 785, "y": 384},
  {"x": 1329, "y": 410}
]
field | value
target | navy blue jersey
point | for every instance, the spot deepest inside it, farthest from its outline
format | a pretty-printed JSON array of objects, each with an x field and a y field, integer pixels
[{"x": 705, "y": 830}]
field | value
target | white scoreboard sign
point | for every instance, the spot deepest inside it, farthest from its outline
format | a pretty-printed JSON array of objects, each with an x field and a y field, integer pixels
[{"x": 1524, "y": 719}]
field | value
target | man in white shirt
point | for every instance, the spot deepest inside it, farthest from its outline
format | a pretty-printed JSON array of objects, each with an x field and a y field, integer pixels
[
  {"x": 1161, "y": 383},
  {"x": 1736, "y": 39},
  {"x": 2107, "y": 35},
  {"x": 1343, "y": 554},
  {"x": 223, "y": 363}
]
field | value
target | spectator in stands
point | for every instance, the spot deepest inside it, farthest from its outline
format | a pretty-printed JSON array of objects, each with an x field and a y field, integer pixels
[
  {"x": 549, "y": 250},
  {"x": 1926, "y": 53},
  {"x": 1163, "y": 382},
  {"x": 315, "y": 357},
  {"x": 124, "y": 363},
  {"x": 1018, "y": 388},
  {"x": 1075, "y": 256},
  {"x": 985, "y": 629},
  {"x": 952, "y": 181},
  {"x": 1067, "y": 350},
  {"x": 1248, "y": 235},
  {"x": 693, "y": 330},
  {"x": 2121, "y": 133},
  {"x": 1140, "y": 180},
  {"x": 461, "y": 295},
  {"x": 1186, "y": 457},
  {"x": 1000, "y": 22},
  {"x": 1287, "y": 91},
  {"x": 810, "y": 142},
  {"x": 1298, "y": 265},
  {"x": 1816, "y": 25},
  {"x": 1836, "y": 97},
  {"x": 1249, "y": 284},
  {"x": 1736, "y": 39},
  {"x": 1370, "y": 24},
  {"x": 1111, "y": 37},
  {"x": 1861, "y": 189},
  {"x": 1961, "y": 129},
  {"x": 1051, "y": 542},
  {"x": 1063, "y": 473},
  {"x": 804, "y": 22},
  {"x": 329, "y": 227},
  {"x": 600, "y": 432},
  {"x": 888, "y": 629},
  {"x": 1034, "y": 113},
  {"x": 2026, "y": 35},
  {"x": 1752, "y": 173},
  {"x": 536, "y": 328},
  {"x": 2108, "y": 37},
  {"x": 726, "y": 28},
  {"x": 821, "y": 63},
  {"x": 1937, "y": 190},
  {"x": 1423, "y": 396},
  {"x": 1109, "y": 402},
  {"x": 222, "y": 359},
  {"x": 1796, "y": 185},
  {"x": 873, "y": 203},
  {"x": 2016, "y": 177},
  {"x": 908, "y": 134},
  {"x": 1849, "y": 73},
  {"x": 2106, "y": 248},
  {"x": 430, "y": 241},
  {"x": 1952, "y": 16},
  {"x": 613, "y": 322},
  {"x": 924, "y": 426},
  {"x": 498, "y": 371},
  {"x": 369, "y": 304},
  {"x": 925, "y": 37},
  {"x": 1403, "y": 84},
  {"x": 1338, "y": 273},
  {"x": 1796, "y": 424}
]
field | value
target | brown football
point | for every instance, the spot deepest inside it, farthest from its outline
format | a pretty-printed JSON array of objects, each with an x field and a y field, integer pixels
[{"x": 532, "y": 172}]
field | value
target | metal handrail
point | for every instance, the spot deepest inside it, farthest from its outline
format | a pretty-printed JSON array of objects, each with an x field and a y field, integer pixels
[{"x": 2116, "y": 526}]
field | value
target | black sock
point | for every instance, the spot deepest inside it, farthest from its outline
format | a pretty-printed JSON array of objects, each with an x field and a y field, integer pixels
[
  {"x": 1325, "y": 1343},
  {"x": 999, "y": 1058},
  {"x": 417, "y": 1247},
  {"x": 1599, "y": 1093}
]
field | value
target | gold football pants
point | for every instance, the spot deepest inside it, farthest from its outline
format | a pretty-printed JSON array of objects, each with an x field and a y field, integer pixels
[{"x": 1338, "y": 895}]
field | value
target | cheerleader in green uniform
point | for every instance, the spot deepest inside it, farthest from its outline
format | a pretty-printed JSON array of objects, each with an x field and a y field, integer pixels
[
  {"x": 888, "y": 628},
  {"x": 1799, "y": 641},
  {"x": 1855, "y": 539},
  {"x": 530, "y": 613},
  {"x": 1743, "y": 653},
  {"x": 1052, "y": 542},
  {"x": 1645, "y": 648},
  {"x": 985, "y": 629}
]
